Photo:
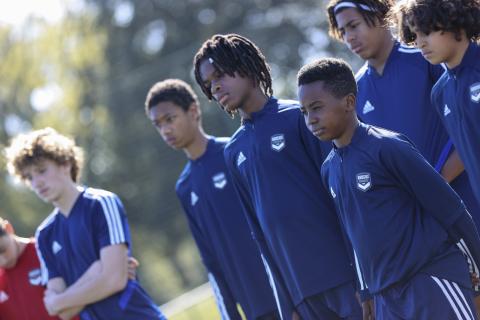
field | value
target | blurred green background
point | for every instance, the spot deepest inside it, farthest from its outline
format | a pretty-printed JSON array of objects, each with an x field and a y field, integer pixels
[{"x": 86, "y": 73}]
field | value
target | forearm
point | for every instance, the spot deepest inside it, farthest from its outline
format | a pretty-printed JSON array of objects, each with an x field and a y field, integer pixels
[
  {"x": 452, "y": 168},
  {"x": 69, "y": 313},
  {"x": 93, "y": 288}
]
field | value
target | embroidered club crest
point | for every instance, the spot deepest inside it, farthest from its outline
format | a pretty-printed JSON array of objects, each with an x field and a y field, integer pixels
[
  {"x": 364, "y": 181},
  {"x": 278, "y": 142},
  {"x": 35, "y": 277},
  {"x": 475, "y": 92},
  {"x": 219, "y": 180}
]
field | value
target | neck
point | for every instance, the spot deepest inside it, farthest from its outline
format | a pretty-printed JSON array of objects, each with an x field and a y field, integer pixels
[
  {"x": 380, "y": 59},
  {"x": 458, "y": 54},
  {"x": 254, "y": 103},
  {"x": 346, "y": 137},
  {"x": 67, "y": 199},
  {"x": 198, "y": 146}
]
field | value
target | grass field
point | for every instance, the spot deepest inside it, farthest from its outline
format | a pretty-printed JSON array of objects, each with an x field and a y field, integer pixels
[{"x": 205, "y": 310}]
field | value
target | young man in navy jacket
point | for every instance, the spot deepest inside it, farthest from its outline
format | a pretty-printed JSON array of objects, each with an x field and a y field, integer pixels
[
  {"x": 215, "y": 216},
  {"x": 409, "y": 229},
  {"x": 275, "y": 165}
]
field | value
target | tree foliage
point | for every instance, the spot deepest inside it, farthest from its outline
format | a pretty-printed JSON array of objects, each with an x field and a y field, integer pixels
[{"x": 88, "y": 77}]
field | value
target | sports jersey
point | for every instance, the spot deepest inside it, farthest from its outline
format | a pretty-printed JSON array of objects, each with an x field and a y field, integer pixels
[
  {"x": 68, "y": 246},
  {"x": 399, "y": 214},
  {"x": 21, "y": 290},
  {"x": 275, "y": 164},
  {"x": 222, "y": 234},
  {"x": 399, "y": 100},
  {"x": 456, "y": 96}
]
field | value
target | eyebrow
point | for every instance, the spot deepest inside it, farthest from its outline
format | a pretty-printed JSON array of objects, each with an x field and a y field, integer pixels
[
  {"x": 313, "y": 102},
  {"x": 349, "y": 23}
]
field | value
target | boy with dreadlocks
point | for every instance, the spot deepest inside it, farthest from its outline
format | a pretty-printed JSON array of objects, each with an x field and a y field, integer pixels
[
  {"x": 400, "y": 215},
  {"x": 445, "y": 32},
  {"x": 275, "y": 165},
  {"x": 394, "y": 88},
  {"x": 216, "y": 220}
]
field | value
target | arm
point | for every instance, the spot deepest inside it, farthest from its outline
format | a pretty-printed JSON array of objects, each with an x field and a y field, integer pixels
[
  {"x": 226, "y": 303},
  {"x": 282, "y": 297},
  {"x": 56, "y": 286},
  {"x": 437, "y": 198},
  {"x": 453, "y": 167},
  {"x": 111, "y": 278}
]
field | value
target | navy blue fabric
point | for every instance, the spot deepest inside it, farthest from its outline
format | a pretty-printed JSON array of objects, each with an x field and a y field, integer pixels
[
  {"x": 425, "y": 298},
  {"x": 222, "y": 234},
  {"x": 399, "y": 100},
  {"x": 275, "y": 163},
  {"x": 334, "y": 304},
  {"x": 68, "y": 246},
  {"x": 396, "y": 209},
  {"x": 456, "y": 96}
]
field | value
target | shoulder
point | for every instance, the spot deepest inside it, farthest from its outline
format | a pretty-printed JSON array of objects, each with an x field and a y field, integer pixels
[
  {"x": 93, "y": 197},
  {"x": 235, "y": 140},
  {"x": 183, "y": 178},
  {"x": 388, "y": 142},
  {"x": 440, "y": 84},
  {"x": 328, "y": 160},
  {"x": 361, "y": 73},
  {"x": 47, "y": 225}
]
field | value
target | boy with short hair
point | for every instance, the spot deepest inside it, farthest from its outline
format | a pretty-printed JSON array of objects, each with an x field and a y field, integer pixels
[
  {"x": 88, "y": 228},
  {"x": 275, "y": 166},
  {"x": 445, "y": 32},
  {"x": 214, "y": 213},
  {"x": 400, "y": 215}
]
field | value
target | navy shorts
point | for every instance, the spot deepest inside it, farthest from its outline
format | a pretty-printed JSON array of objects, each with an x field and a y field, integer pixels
[{"x": 425, "y": 297}]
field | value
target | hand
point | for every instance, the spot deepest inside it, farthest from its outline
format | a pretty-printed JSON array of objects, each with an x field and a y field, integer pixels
[
  {"x": 368, "y": 310},
  {"x": 296, "y": 316},
  {"x": 50, "y": 299},
  {"x": 132, "y": 268},
  {"x": 475, "y": 279}
]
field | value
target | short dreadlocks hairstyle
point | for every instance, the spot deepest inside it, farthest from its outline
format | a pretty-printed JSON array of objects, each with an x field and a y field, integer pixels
[
  {"x": 377, "y": 13},
  {"x": 429, "y": 16},
  {"x": 232, "y": 53},
  {"x": 171, "y": 90},
  {"x": 31, "y": 148},
  {"x": 336, "y": 75}
]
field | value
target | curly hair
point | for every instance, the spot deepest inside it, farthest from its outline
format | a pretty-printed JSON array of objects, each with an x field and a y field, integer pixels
[
  {"x": 232, "y": 53},
  {"x": 31, "y": 148},
  {"x": 372, "y": 11},
  {"x": 427, "y": 16},
  {"x": 336, "y": 74},
  {"x": 171, "y": 90}
]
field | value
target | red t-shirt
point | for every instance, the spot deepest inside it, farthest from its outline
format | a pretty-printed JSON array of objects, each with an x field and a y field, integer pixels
[{"x": 21, "y": 291}]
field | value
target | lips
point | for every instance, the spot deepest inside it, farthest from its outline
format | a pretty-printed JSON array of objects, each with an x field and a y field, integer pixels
[
  {"x": 43, "y": 192},
  {"x": 222, "y": 99},
  {"x": 318, "y": 131}
]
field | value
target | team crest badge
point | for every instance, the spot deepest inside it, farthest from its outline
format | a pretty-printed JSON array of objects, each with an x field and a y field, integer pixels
[
  {"x": 278, "y": 142},
  {"x": 364, "y": 181},
  {"x": 35, "y": 277},
  {"x": 219, "y": 180},
  {"x": 3, "y": 296},
  {"x": 475, "y": 92}
]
